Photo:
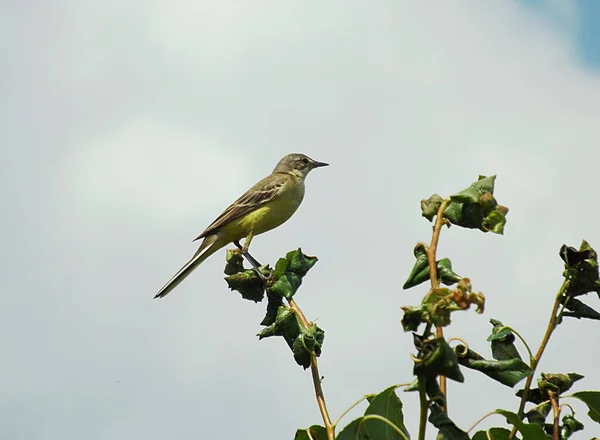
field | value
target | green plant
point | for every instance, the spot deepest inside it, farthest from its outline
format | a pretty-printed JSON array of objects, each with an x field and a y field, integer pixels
[{"x": 436, "y": 360}]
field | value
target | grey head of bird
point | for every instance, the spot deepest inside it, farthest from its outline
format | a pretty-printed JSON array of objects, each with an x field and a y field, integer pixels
[{"x": 297, "y": 164}]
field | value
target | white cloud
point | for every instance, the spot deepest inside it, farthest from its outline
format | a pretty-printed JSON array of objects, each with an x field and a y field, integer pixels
[{"x": 151, "y": 167}]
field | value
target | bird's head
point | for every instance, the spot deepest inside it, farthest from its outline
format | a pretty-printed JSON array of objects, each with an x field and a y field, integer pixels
[{"x": 297, "y": 164}]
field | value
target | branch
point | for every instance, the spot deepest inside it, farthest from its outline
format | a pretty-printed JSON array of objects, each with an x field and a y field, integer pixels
[
  {"x": 552, "y": 323},
  {"x": 316, "y": 377},
  {"x": 424, "y": 408},
  {"x": 431, "y": 259},
  {"x": 556, "y": 409}
]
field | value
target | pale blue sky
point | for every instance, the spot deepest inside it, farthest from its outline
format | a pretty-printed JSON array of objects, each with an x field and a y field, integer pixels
[{"x": 580, "y": 22}]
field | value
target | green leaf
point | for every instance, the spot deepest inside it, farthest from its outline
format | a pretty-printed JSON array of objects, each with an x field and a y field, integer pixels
[
  {"x": 386, "y": 404},
  {"x": 300, "y": 263},
  {"x": 436, "y": 359},
  {"x": 557, "y": 382},
  {"x": 473, "y": 193},
  {"x": 495, "y": 221},
  {"x": 502, "y": 341},
  {"x": 438, "y": 307},
  {"x": 420, "y": 271},
  {"x": 248, "y": 284},
  {"x": 273, "y": 304},
  {"x": 370, "y": 397},
  {"x": 280, "y": 268},
  {"x": 581, "y": 269},
  {"x": 530, "y": 431},
  {"x": 429, "y": 207},
  {"x": 592, "y": 400},
  {"x": 285, "y": 322},
  {"x": 539, "y": 414},
  {"x": 316, "y": 433},
  {"x": 534, "y": 396},
  {"x": 303, "y": 342},
  {"x": 445, "y": 273},
  {"x": 447, "y": 428},
  {"x": 286, "y": 285},
  {"x": 570, "y": 425},
  {"x": 306, "y": 344},
  {"x": 508, "y": 372},
  {"x": 355, "y": 430},
  {"x": 413, "y": 318},
  {"x": 289, "y": 272},
  {"x": 492, "y": 434},
  {"x": 414, "y": 386},
  {"x": 476, "y": 208},
  {"x": 235, "y": 262},
  {"x": 578, "y": 309}
]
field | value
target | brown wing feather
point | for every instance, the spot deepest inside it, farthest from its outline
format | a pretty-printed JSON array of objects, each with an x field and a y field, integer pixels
[{"x": 260, "y": 194}]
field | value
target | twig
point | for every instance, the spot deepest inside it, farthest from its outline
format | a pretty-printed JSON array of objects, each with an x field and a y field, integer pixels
[
  {"x": 568, "y": 406},
  {"x": 552, "y": 323},
  {"x": 481, "y": 419},
  {"x": 316, "y": 377},
  {"x": 506, "y": 327},
  {"x": 424, "y": 408},
  {"x": 358, "y": 402},
  {"x": 431, "y": 259},
  {"x": 556, "y": 409},
  {"x": 536, "y": 359}
]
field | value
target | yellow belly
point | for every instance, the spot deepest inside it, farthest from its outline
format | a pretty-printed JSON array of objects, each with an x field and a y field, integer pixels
[{"x": 261, "y": 220}]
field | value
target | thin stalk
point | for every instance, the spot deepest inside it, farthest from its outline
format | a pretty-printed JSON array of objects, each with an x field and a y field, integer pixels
[
  {"x": 552, "y": 323},
  {"x": 556, "y": 410},
  {"x": 481, "y": 419},
  {"x": 424, "y": 408},
  {"x": 316, "y": 377},
  {"x": 506, "y": 327},
  {"x": 431, "y": 259}
]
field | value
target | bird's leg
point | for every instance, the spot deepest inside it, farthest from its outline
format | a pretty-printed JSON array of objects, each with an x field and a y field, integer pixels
[
  {"x": 253, "y": 262},
  {"x": 247, "y": 242}
]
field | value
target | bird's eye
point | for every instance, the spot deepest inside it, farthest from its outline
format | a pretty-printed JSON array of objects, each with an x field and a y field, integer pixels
[{"x": 305, "y": 161}]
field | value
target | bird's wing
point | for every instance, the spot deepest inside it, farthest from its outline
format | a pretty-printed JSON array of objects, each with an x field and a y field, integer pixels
[{"x": 260, "y": 194}]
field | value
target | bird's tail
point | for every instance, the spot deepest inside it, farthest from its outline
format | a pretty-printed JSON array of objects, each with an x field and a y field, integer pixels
[{"x": 209, "y": 246}]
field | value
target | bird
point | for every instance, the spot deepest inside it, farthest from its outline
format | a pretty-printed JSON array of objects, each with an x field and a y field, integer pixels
[{"x": 265, "y": 206}]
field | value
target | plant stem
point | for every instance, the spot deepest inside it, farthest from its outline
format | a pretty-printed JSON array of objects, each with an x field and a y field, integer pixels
[
  {"x": 556, "y": 410},
  {"x": 552, "y": 323},
  {"x": 432, "y": 248},
  {"x": 316, "y": 376},
  {"x": 522, "y": 340},
  {"x": 481, "y": 419},
  {"x": 354, "y": 405},
  {"x": 424, "y": 408},
  {"x": 431, "y": 259}
]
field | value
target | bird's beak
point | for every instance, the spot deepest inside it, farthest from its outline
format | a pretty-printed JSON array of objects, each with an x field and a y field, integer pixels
[{"x": 319, "y": 164}]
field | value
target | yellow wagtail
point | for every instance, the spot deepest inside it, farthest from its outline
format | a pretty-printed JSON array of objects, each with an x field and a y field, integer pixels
[{"x": 266, "y": 205}]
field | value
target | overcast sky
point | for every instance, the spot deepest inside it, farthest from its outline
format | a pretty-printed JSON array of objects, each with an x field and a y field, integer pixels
[{"x": 128, "y": 126}]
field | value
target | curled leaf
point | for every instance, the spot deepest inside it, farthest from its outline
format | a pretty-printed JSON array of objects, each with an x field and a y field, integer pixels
[
  {"x": 436, "y": 358},
  {"x": 476, "y": 208},
  {"x": 502, "y": 341},
  {"x": 581, "y": 269},
  {"x": 429, "y": 207},
  {"x": 248, "y": 284},
  {"x": 508, "y": 372}
]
